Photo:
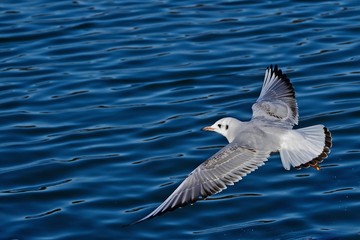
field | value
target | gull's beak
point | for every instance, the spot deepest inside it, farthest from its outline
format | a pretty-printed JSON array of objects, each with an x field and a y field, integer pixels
[{"x": 208, "y": 129}]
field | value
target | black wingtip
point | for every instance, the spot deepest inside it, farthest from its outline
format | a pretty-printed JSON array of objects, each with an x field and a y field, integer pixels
[
  {"x": 278, "y": 72},
  {"x": 138, "y": 221}
]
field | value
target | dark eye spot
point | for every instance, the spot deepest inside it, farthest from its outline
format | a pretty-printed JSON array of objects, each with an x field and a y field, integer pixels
[
  {"x": 219, "y": 125},
  {"x": 227, "y": 127}
]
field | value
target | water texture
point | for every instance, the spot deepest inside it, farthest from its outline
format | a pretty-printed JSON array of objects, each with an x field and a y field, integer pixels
[{"x": 102, "y": 105}]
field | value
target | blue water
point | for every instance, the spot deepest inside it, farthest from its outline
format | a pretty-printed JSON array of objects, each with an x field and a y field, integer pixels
[{"x": 102, "y": 102}]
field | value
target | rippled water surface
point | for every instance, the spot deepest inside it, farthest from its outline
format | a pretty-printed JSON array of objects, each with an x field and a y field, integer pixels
[{"x": 102, "y": 102}]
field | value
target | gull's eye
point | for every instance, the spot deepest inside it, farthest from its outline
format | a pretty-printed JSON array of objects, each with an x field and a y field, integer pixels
[
  {"x": 219, "y": 125},
  {"x": 227, "y": 127}
]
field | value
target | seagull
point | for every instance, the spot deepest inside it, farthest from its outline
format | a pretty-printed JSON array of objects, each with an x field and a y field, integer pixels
[{"x": 270, "y": 130}]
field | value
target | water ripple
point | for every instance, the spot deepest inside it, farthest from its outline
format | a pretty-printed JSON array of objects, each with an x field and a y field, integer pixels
[{"x": 102, "y": 105}]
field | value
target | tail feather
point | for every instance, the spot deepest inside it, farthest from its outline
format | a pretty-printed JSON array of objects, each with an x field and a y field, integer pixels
[{"x": 305, "y": 147}]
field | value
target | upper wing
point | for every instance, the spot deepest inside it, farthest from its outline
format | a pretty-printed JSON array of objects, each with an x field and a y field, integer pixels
[
  {"x": 225, "y": 167},
  {"x": 277, "y": 99}
]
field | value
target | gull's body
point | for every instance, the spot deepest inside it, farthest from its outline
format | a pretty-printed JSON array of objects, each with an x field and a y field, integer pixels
[{"x": 251, "y": 143}]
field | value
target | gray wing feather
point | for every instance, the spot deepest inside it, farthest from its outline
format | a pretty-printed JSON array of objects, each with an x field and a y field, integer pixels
[
  {"x": 224, "y": 168},
  {"x": 277, "y": 101}
]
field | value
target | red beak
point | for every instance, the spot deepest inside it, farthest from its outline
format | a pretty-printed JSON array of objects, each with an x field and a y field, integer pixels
[{"x": 208, "y": 129}]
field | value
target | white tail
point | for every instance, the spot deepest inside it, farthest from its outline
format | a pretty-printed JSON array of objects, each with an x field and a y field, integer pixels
[{"x": 305, "y": 147}]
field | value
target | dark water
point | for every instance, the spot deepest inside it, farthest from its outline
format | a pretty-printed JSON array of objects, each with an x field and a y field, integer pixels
[{"x": 102, "y": 103}]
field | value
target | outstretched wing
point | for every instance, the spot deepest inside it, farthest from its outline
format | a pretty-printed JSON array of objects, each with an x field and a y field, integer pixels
[
  {"x": 277, "y": 101},
  {"x": 224, "y": 168}
]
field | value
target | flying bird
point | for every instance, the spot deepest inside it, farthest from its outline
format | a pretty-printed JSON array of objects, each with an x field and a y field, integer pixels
[{"x": 270, "y": 130}]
